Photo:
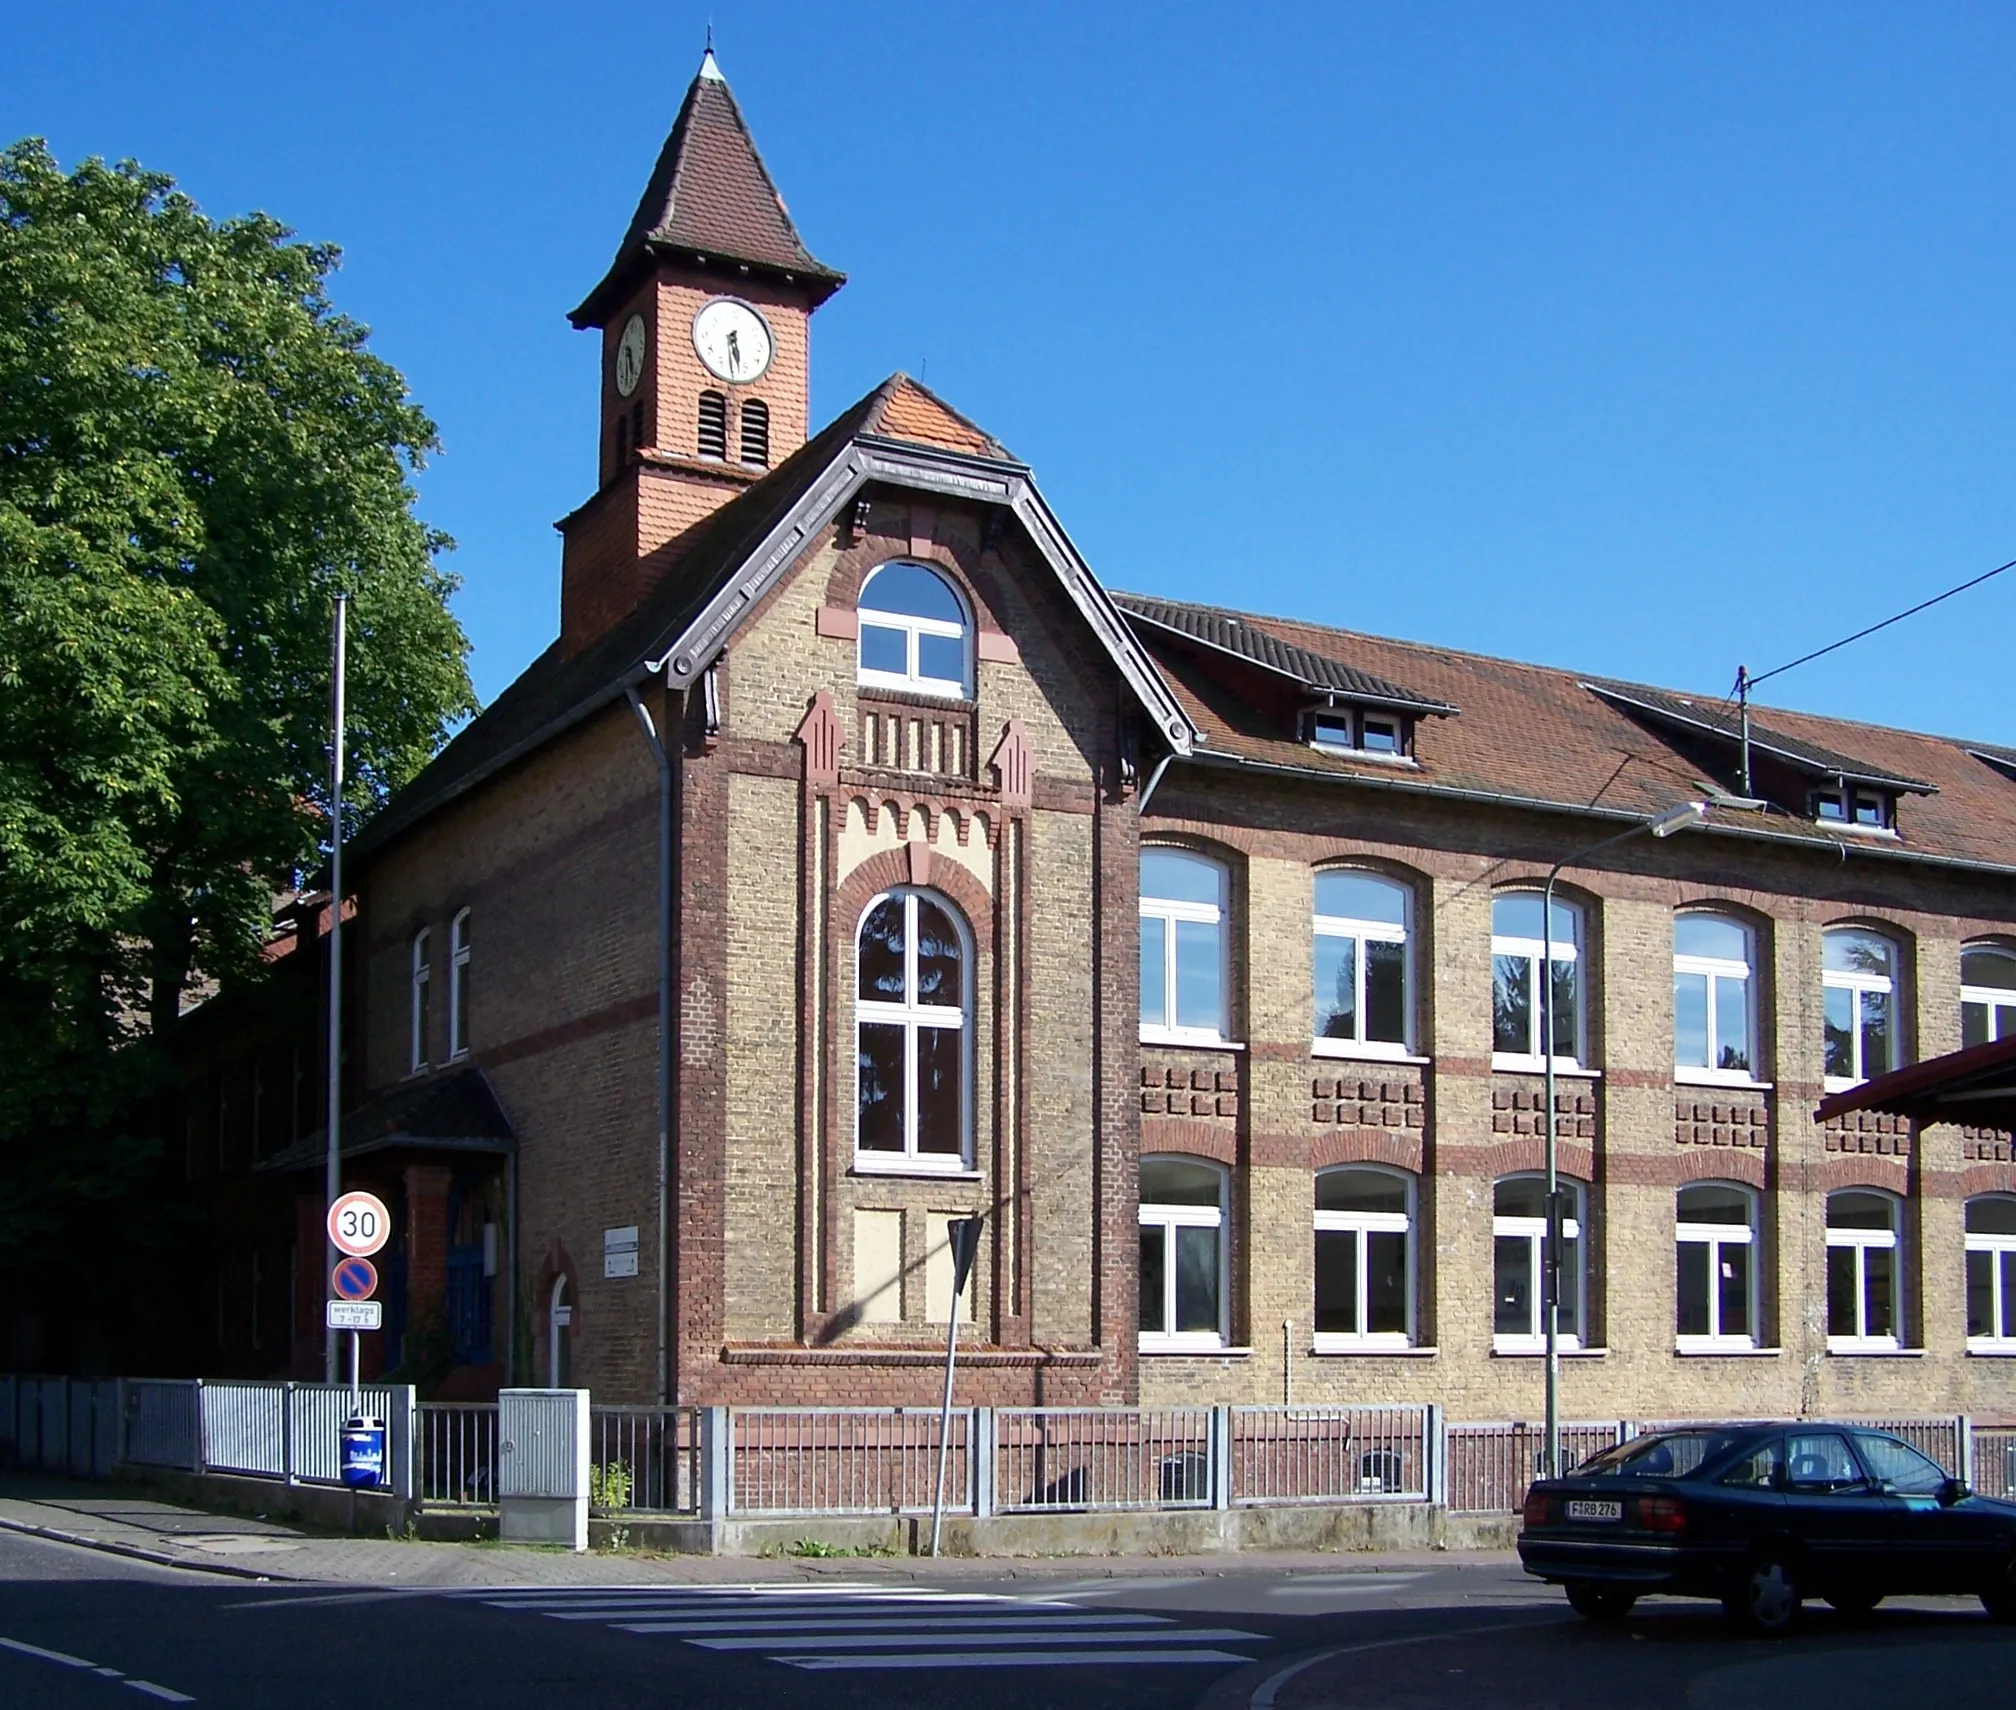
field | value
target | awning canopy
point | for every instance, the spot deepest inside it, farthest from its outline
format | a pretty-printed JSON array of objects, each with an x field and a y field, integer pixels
[
  {"x": 1976, "y": 1087},
  {"x": 454, "y": 1113}
]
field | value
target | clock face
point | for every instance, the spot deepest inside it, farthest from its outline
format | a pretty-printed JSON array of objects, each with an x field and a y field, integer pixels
[
  {"x": 733, "y": 340},
  {"x": 630, "y": 356}
]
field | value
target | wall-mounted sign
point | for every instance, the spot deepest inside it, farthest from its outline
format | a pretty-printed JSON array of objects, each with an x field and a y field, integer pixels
[{"x": 619, "y": 1251}]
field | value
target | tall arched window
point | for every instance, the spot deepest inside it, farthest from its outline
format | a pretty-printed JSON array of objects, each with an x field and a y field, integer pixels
[
  {"x": 1182, "y": 1254},
  {"x": 1858, "y": 985},
  {"x": 1862, "y": 1269},
  {"x": 756, "y": 433},
  {"x": 1715, "y": 1232},
  {"x": 1183, "y": 905},
  {"x": 713, "y": 428},
  {"x": 1987, "y": 993},
  {"x": 1517, "y": 948},
  {"x": 915, "y": 634},
  {"x": 458, "y": 985},
  {"x": 1363, "y": 974},
  {"x": 1991, "y": 1272},
  {"x": 1519, "y": 1237},
  {"x": 1714, "y": 998},
  {"x": 420, "y": 1017},
  {"x": 1364, "y": 1259},
  {"x": 911, "y": 1033}
]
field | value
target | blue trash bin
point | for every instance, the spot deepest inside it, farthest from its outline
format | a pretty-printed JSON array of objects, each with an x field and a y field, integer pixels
[{"x": 363, "y": 1452}]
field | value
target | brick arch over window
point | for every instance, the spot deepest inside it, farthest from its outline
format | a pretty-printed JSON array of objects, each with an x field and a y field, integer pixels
[
  {"x": 1366, "y": 1146},
  {"x": 1862, "y": 1170},
  {"x": 955, "y": 561},
  {"x": 1721, "y": 1166},
  {"x": 1527, "y": 1155},
  {"x": 1178, "y": 1137},
  {"x": 1978, "y": 1179},
  {"x": 917, "y": 864}
]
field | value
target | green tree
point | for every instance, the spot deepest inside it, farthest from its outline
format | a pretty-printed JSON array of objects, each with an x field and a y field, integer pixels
[{"x": 197, "y": 452}]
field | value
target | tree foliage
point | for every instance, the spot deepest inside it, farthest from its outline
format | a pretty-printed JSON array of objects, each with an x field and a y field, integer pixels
[{"x": 197, "y": 452}]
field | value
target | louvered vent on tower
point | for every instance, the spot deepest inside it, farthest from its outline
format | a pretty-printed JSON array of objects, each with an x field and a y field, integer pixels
[
  {"x": 714, "y": 426},
  {"x": 756, "y": 434}
]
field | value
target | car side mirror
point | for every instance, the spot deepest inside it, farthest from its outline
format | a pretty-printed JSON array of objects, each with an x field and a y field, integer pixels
[{"x": 1952, "y": 1491}]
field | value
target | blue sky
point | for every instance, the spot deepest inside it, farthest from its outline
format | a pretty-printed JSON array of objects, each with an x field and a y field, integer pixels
[{"x": 1643, "y": 339}]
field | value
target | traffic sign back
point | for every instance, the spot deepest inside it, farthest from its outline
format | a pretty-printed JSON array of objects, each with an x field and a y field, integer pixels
[{"x": 359, "y": 1224}]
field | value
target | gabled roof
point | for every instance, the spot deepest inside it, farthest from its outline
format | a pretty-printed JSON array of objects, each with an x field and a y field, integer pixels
[
  {"x": 900, "y": 434},
  {"x": 1226, "y": 632},
  {"x": 1722, "y": 722},
  {"x": 2002, "y": 759},
  {"x": 710, "y": 197}
]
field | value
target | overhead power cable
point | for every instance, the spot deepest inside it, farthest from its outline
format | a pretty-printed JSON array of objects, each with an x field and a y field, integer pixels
[{"x": 1912, "y": 611}]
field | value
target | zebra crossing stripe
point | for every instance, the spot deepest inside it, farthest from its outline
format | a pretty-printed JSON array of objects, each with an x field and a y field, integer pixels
[
  {"x": 916, "y": 1636},
  {"x": 1013, "y": 1659},
  {"x": 1008, "y": 1621}
]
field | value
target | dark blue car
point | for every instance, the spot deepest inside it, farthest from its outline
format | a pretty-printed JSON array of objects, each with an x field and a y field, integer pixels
[{"x": 1764, "y": 1516}]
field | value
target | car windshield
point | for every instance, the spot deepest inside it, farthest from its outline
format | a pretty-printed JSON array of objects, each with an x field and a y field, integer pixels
[{"x": 1670, "y": 1454}]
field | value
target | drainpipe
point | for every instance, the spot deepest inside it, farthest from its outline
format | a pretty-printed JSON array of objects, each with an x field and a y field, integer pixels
[{"x": 664, "y": 1021}]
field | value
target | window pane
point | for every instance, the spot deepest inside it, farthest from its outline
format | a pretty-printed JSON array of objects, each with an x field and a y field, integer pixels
[
  {"x": 1520, "y": 1196},
  {"x": 1710, "y": 935},
  {"x": 1516, "y": 914},
  {"x": 1198, "y": 975},
  {"x": 1154, "y": 971},
  {"x": 1336, "y": 988},
  {"x": 942, "y": 657},
  {"x": 940, "y": 1058},
  {"x": 1693, "y": 1287},
  {"x": 1177, "y": 1181},
  {"x": 938, "y": 957},
  {"x": 880, "y": 1067},
  {"x": 1855, "y": 953},
  {"x": 1840, "y": 1023},
  {"x": 881, "y": 973},
  {"x": 1981, "y": 1293},
  {"x": 1879, "y": 1291},
  {"x": 1900, "y": 1465},
  {"x": 884, "y": 650},
  {"x": 1732, "y": 1284},
  {"x": 1732, "y": 1024},
  {"x": 1987, "y": 967},
  {"x": 1154, "y": 1242},
  {"x": 1876, "y": 1058},
  {"x": 1567, "y": 1034},
  {"x": 1360, "y": 1190},
  {"x": 1386, "y": 992},
  {"x": 1196, "y": 1279},
  {"x": 1868, "y": 809},
  {"x": 1571, "y": 1287},
  {"x": 1386, "y": 1283},
  {"x": 1852, "y": 1210},
  {"x": 1517, "y": 1307},
  {"x": 1336, "y": 1282},
  {"x": 1382, "y": 735},
  {"x": 1690, "y": 1020},
  {"x": 1361, "y": 896},
  {"x": 1974, "y": 1028},
  {"x": 2005, "y": 1321},
  {"x": 1711, "y": 1204},
  {"x": 1332, "y": 730},
  {"x": 1512, "y": 1005},
  {"x": 1820, "y": 1463},
  {"x": 1176, "y": 877},
  {"x": 1840, "y": 1291},
  {"x": 1993, "y": 1214},
  {"x": 911, "y": 591}
]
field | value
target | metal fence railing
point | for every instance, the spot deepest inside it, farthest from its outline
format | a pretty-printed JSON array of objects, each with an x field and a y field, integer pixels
[
  {"x": 844, "y": 1460},
  {"x": 457, "y": 1455},
  {"x": 1490, "y": 1466},
  {"x": 644, "y": 1460},
  {"x": 1940, "y": 1438},
  {"x": 1333, "y": 1454},
  {"x": 60, "y": 1424},
  {"x": 1057, "y": 1459},
  {"x": 1994, "y": 1460}
]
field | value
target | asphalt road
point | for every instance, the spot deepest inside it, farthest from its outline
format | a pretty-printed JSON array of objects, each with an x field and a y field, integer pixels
[{"x": 81, "y": 1629}]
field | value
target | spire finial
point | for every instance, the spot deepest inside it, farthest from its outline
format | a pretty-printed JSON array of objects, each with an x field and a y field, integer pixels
[{"x": 710, "y": 71}]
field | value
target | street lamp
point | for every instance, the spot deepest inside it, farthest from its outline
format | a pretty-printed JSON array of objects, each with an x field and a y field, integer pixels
[{"x": 1659, "y": 825}]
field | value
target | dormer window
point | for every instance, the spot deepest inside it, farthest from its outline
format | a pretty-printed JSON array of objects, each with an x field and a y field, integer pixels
[
  {"x": 1356, "y": 730},
  {"x": 1867, "y": 810}
]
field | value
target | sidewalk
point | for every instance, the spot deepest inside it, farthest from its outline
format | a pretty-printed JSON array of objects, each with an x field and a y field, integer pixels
[{"x": 122, "y": 1522}]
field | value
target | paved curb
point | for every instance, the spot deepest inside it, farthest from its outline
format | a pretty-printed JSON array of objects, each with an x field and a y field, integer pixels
[{"x": 134, "y": 1552}]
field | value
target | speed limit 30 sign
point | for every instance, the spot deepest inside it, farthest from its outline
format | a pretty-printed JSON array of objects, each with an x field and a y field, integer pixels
[{"x": 359, "y": 1224}]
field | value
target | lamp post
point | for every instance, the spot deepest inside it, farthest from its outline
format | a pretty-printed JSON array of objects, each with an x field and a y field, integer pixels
[{"x": 1659, "y": 825}]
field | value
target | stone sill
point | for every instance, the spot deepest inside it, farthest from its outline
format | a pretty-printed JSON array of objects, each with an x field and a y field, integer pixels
[
  {"x": 1172, "y": 1042},
  {"x": 1340, "y": 1051},
  {"x": 1991, "y": 1353},
  {"x": 910, "y": 1172},
  {"x": 1875, "y": 1353},
  {"x": 1534, "y": 1066},
  {"x": 1729, "y": 1353},
  {"x": 1701, "y": 1078},
  {"x": 1149, "y": 1351},
  {"x": 1541, "y": 1353},
  {"x": 1373, "y": 1353}
]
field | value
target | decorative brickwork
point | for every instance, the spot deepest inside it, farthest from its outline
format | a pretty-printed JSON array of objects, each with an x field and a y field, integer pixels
[
  {"x": 1396, "y": 1101},
  {"x": 1173, "y": 1084},
  {"x": 1986, "y": 1145},
  {"x": 1738, "y": 1120},
  {"x": 1516, "y": 1107},
  {"x": 1868, "y": 1131}
]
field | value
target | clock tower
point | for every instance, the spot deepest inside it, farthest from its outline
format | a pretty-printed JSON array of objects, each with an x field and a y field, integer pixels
[{"x": 704, "y": 318}]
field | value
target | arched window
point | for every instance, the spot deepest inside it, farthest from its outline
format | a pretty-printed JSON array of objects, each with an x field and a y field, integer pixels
[
  {"x": 1183, "y": 899},
  {"x": 458, "y": 985},
  {"x": 1991, "y": 1272},
  {"x": 1517, "y": 948},
  {"x": 756, "y": 433},
  {"x": 1364, "y": 980},
  {"x": 1715, "y": 1232},
  {"x": 1519, "y": 1237},
  {"x": 1364, "y": 1259},
  {"x": 915, "y": 634},
  {"x": 1858, "y": 981},
  {"x": 1182, "y": 1254},
  {"x": 1987, "y": 993},
  {"x": 420, "y": 1020},
  {"x": 911, "y": 1030},
  {"x": 1862, "y": 1269},
  {"x": 713, "y": 434},
  {"x": 1714, "y": 999}
]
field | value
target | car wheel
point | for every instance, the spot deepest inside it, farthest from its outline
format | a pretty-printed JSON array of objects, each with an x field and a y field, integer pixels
[
  {"x": 1998, "y": 1596},
  {"x": 1854, "y": 1602},
  {"x": 1598, "y": 1602},
  {"x": 1767, "y": 1601}
]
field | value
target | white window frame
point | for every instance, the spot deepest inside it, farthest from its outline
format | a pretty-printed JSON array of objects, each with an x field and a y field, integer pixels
[
  {"x": 1841, "y": 979},
  {"x": 1362, "y": 1224},
  {"x": 1168, "y": 1219},
  {"x": 912, "y": 681},
  {"x": 420, "y": 984},
  {"x": 458, "y": 986},
  {"x": 1355, "y": 722},
  {"x": 1717, "y": 1237},
  {"x": 1531, "y": 949},
  {"x": 1169, "y": 912},
  {"x": 910, "y": 1016},
  {"x": 1574, "y": 1283},
  {"x": 1364, "y": 931},
  {"x": 1861, "y": 1242},
  {"x": 1850, "y": 801},
  {"x": 2001, "y": 1339},
  {"x": 1999, "y": 1001},
  {"x": 1717, "y": 969}
]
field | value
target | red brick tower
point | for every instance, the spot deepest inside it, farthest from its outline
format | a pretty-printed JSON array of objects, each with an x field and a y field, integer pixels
[{"x": 705, "y": 319}]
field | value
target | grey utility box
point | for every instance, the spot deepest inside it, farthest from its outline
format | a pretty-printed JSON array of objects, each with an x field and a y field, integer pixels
[{"x": 542, "y": 1466}]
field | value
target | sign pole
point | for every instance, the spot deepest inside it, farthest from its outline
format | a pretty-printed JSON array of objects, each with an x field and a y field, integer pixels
[
  {"x": 333, "y": 1174},
  {"x": 356, "y": 1345},
  {"x": 963, "y": 1235}
]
